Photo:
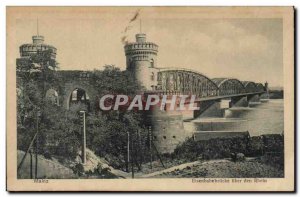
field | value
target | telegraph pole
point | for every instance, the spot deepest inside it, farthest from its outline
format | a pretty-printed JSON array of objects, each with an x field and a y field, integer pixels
[
  {"x": 150, "y": 145},
  {"x": 132, "y": 162},
  {"x": 36, "y": 146},
  {"x": 83, "y": 150},
  {"x": 128, "y": 151},
  {"x": 31, "y": 173}
]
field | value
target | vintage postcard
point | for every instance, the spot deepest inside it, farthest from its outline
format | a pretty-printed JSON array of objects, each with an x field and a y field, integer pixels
[{"x": 150, "y": 99}]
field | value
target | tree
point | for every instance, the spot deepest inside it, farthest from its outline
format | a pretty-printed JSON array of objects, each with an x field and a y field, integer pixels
[
  {"x": 61, "y": 132},
  {"x": 33, "y": 74},
  {"x": 60, "y": 129},
  {"x": 112, "y": 80},
  {"x": 108, "y": 131}
]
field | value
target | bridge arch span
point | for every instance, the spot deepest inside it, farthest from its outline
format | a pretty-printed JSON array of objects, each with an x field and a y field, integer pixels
[
  {"x": 229, "y": 86},
  {"x": 260, "y": 87},
  {"x": 186, "y": 81},
  {"x": 249, "y": 86}
]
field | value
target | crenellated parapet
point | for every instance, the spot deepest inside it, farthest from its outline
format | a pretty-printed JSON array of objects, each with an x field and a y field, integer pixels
[
  {"x": 37, "y": 45},
  {"x": 141, "y": 48},
  {"x": 142, "y": 57}
]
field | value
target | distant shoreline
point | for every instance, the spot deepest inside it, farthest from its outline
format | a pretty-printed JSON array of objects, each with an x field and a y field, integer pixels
[{"x": 276, "y": 94}]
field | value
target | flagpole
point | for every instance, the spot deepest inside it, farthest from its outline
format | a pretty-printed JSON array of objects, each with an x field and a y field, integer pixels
[
  {"x": 140, "y": 25},
  {"x": 37, "y": 26}
]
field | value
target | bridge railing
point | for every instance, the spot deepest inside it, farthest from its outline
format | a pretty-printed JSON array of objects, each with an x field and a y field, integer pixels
[{"x": 173, "y": 92}]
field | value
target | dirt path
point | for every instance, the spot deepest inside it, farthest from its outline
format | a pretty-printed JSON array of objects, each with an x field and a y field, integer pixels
[
  {"x": 223, "y": 168},
  {"x": 216, "y": 168},
  {"x": 179, "y": 167}
]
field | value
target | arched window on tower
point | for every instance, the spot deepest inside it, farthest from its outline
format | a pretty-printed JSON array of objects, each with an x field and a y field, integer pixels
[
  {"x": 130, "y": 63},
  {"x": 152, "y": 76},
  {"x": 152, "y": 63}
]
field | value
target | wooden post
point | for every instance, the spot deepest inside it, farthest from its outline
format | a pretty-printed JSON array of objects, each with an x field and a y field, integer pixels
[
  {"x": 150, "y": 145},
  {"x": 36, "y": 147},
  {"x": 161, "y": 161},
  {"x": 132, "y": 162},
  {"x": 31, "y": 173},
  {"x": 128, "y": 151},
  {"x": 138, "y": 154},
  {"x": 83, "y": 150},
  {"x": 29, "y": 148}
]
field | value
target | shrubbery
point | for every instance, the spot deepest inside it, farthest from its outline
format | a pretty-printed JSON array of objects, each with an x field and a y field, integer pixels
[
  {"x": 222, "y": 148},
  {"x": 210, "y": 149}
]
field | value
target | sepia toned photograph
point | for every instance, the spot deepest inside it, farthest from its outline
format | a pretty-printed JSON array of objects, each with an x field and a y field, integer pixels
[{"x": 150, "y": 99}]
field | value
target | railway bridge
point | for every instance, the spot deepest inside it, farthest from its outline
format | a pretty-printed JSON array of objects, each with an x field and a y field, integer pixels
[{"x": 209, "y": 93}]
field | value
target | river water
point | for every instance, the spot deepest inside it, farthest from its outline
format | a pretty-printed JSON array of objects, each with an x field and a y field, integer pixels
[{"x": 265, "y": 117}]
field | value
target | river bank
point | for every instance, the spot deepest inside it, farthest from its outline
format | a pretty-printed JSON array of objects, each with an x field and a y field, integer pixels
[
  {"x": 222, "y": 168},
  {"x": 259, "y": 156}
]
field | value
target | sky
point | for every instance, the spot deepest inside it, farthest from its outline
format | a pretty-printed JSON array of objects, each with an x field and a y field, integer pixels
[{"x": 242, "y": 48}]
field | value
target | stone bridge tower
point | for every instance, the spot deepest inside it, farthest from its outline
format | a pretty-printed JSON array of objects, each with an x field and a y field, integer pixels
[
  {"x": 166, "y": 127},
  {"x": 141, "y": 61}
]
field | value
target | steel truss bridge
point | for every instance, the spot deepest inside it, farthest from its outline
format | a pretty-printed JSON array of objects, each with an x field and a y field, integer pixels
[{"x": 188, "y": 82}]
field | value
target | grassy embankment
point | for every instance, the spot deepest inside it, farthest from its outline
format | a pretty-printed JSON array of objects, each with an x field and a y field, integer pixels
[{"x": 263, "y": 158}]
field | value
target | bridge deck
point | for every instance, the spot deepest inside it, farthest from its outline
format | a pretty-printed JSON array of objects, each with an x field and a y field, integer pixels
[{"x": 228, "y": 96}]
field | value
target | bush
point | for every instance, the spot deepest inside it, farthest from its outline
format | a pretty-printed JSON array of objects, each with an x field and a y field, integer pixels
[
  {"x": 211, "y": 149},
  {"x": 273, "y": 143},
  {"x": 219, "y": 148},
  {"x": 47, "y": 155},
  {"x": 78, "y": 169}
]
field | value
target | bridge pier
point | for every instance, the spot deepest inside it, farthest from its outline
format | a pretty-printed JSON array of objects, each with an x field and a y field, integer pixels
[
  {"x": 211, "y": 108},
  {"x": 253, "y": 99},
  {"x": 265, "y": 96},
  {"x": 239, "y": 102}
]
